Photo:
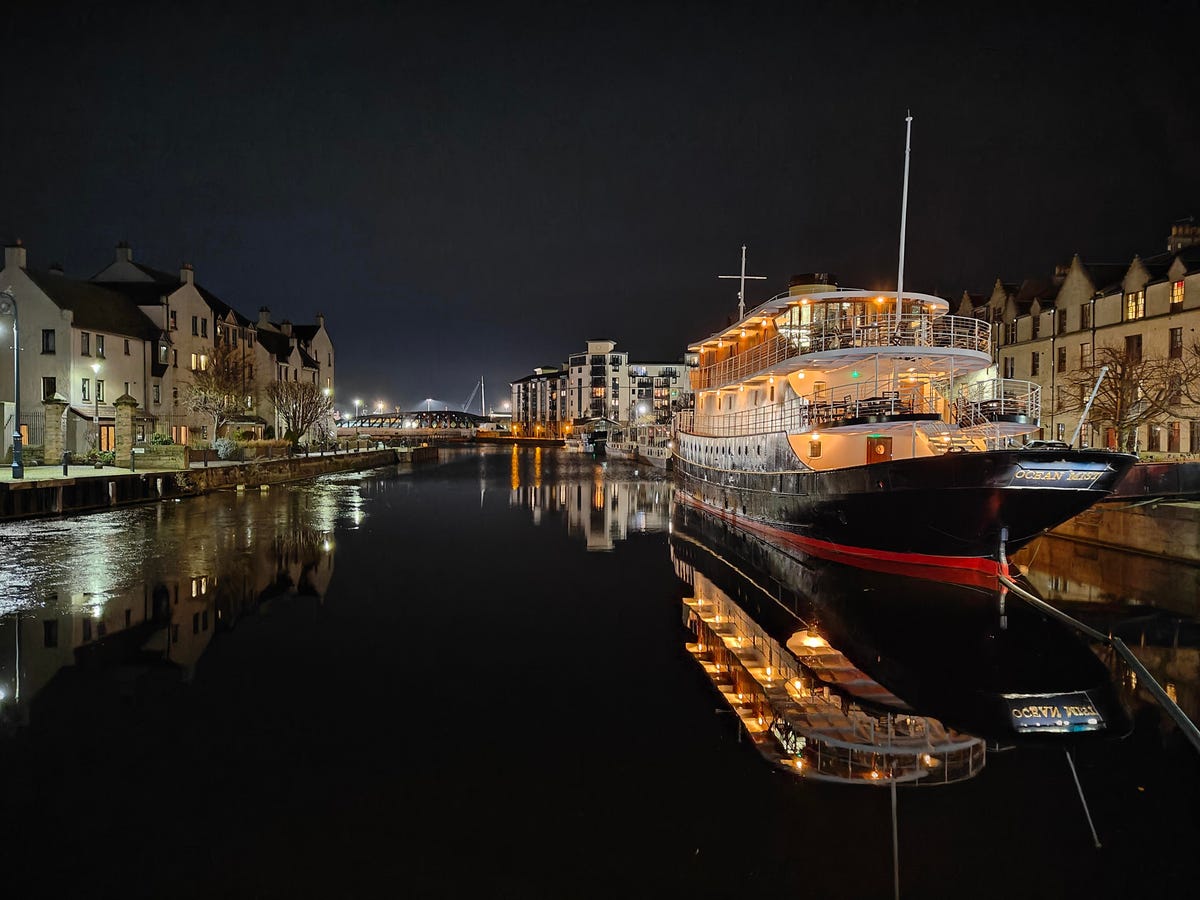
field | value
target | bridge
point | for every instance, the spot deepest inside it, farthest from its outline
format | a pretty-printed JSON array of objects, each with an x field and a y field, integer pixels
[{"x": 424, "y": 423}]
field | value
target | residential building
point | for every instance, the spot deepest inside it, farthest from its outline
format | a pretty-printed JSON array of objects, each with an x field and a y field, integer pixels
[{"x": 1051, "y": 331}]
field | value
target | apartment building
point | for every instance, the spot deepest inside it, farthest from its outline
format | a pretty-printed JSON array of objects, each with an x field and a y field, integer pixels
[
  {"x": 1057, "y": 332},
  {"x": 132, "y": 330}
]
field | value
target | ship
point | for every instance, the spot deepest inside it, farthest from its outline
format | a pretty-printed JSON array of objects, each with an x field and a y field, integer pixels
[{"x": 864, "y": 423}]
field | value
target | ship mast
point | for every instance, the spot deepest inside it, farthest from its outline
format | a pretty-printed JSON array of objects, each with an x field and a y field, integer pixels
[
  {"x": 742, "y": 284},
  {"x": 903, "y": 223}
]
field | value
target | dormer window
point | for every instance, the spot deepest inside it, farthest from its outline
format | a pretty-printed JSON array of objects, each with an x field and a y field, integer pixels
[
  {"x": 1176, "y": 296},
  {"x": 1135, "y": 306}
]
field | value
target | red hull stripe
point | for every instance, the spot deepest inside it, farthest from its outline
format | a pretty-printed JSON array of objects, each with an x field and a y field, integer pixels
[{"x": 975, "y": 570}]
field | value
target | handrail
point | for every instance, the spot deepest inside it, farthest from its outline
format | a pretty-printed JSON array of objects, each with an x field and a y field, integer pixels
[{"x": 910, "y": 330}]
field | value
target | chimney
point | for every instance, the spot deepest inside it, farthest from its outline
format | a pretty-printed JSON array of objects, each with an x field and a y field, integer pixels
[
  {"x": 320, "y": 320},
  {"x": 264, "y": 317},
  {"x": 124, "y": 252},
  {"x": 286, "y": 327},
  {"x": 1184, "y": 233},
  {"x": 1060, "y": 274},
  {"x": 15, "y": 255},
  {"x": 186, "y": 275}
]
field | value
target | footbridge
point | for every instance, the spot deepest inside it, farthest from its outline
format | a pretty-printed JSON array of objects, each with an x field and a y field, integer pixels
[{"x": 447, "y": 424}]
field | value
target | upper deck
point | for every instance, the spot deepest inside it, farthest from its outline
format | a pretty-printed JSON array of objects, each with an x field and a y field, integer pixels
[{"x": 791, "y": 329}]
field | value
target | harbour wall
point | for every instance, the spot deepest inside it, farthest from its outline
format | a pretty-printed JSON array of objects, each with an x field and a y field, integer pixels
[{"x": 110, "y": 486}]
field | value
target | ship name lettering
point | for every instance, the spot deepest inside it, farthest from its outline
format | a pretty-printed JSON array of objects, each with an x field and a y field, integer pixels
[{"x": 1040, "y": 475}]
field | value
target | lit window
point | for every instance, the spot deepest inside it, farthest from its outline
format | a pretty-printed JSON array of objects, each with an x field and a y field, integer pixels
[
  {"x": 1135, "y": 305},
  {"x": 1176, "y": 296}
]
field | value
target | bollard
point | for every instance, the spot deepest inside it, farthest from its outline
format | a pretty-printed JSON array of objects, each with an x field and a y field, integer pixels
[
  {"x": 132, "y": 461},
  {"x": 66, "y": 460}
]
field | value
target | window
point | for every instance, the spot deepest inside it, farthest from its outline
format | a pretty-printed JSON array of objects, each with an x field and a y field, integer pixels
[
  {"x": 1173, "y": 437},
  {"x": 820, "y": 390},
  {"x": 126, "y": 346},
  {"x": 100, "y": 390},
  {"x": 86, "y": 388},
  {"x": 47, "y": 340},
  {"x": 49, "y": 387},
  {"x": 164, "y": 354},
  {"x": 174, "y": 323},
  {"x": 204, "y": 328},
  {"x": 1176, "y": 351},
  {"x": 85, "y": 343},
  {"x": 1010, "y": 365},
  {"x": 1035, "y": 359},
  {"x": 1175, "y": 390},
  {"x": 1085, "y": 356},
  {"x": 1176, "y": 296},
  {"x": 1062, "y": 359},
  {"x": 1060, "y": 317},
  {"x": 1194, "y": 435},
  {"x": 1133, "y": 348},
  {"x": 100, "y": 346},
  {"x": 1154, "y": 438},
  {"x": 175, "y": 398},
  {"x": 1010, "y": 332},
  {"x": 814, "y": 449},
  {"x": 1085, "y": 316},
  {"x": 1035, "y": 325},
  {"x": 175, "y": 359},
  {"x": 157, "y": 392},
  {"x": 196, "y": 325},
  {"x": 195, "y": 361},
  {"x": 1135, "y": 306},
  {"x": 203, "y": 362}
]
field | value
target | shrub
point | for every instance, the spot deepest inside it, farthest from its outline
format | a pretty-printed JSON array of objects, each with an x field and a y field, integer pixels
[
  {"x": 226, "y": 448},
  {"x": 160, "y": 439}
]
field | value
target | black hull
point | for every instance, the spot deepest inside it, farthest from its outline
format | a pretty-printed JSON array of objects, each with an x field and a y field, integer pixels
[{"x": 953, "y": 505}]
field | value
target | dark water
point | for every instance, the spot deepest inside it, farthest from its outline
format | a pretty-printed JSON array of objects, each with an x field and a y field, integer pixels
[{"x": 430, "y": 684}]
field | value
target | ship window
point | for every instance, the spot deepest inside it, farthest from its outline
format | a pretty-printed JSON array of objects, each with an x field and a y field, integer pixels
[{"x": 814, "y": 449}]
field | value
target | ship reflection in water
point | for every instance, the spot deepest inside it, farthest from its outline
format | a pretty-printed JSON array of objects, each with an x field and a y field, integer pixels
[
  {"x": 843, "y": 673},
  {"x": 162, "y": 610}
]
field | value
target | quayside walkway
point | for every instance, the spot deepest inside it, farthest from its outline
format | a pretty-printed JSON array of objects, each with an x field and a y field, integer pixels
[{"x": 59, "y": 490}]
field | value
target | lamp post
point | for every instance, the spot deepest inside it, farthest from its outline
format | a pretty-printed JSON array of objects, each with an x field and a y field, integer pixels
[
  {"x": 96, "y": 409},
  {"x": 9, "y": 303},
  {"x": 357, "y": 404}
]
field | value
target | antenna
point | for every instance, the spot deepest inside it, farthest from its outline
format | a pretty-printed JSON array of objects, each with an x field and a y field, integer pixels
[{"x": 742, "y": 284}]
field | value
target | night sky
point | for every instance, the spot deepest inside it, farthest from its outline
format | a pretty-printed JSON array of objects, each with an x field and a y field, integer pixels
[{"x": 471, "y": 190}]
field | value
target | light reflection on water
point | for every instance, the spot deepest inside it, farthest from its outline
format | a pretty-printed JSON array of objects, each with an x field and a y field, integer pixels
[{"x": 430, "y": 671}]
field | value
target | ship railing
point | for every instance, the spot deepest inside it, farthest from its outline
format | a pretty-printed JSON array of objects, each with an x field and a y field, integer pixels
[
  {"x": 912, "y": 330},
  {"x": 998, "y": 400},
  {"x": 832, "y": 406}
]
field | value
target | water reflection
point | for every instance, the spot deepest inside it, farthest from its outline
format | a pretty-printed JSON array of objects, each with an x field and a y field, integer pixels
[
  {"x": 154, "y": 584},
  {"x": 1148, "y": 601},
  {"x": 600, "y": 502},
  {"x": 954, "y": 651}
]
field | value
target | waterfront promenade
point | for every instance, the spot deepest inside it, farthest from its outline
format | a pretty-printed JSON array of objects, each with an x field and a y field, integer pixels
[{"x": 47, "y": 491}]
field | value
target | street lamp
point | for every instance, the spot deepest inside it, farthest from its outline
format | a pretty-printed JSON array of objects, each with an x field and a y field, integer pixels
[
  {"x": 8, "y": 303},
  {"x": 357, "y": 404},
  {"x": 96, "y": 409}
]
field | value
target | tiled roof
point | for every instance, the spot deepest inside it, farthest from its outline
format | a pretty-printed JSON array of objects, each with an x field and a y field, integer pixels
[
  {"x": 95, "y": 307},
  {"x": 277, "y": 344}
]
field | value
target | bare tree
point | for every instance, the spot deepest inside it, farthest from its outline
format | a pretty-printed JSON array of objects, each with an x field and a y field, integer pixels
[
  {"x": 300, "y": 404},
  {"x": 219, "y": 388},
  {"x": 1137, "y": 390}
]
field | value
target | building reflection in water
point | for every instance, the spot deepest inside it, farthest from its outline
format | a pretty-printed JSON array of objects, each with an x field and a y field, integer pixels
[
  {"x": 600, "y": 503},
  {"x": 879, "y": 674},
  {"x": 1150, "y": 602},
  {"x": 201, "y": 566}
]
